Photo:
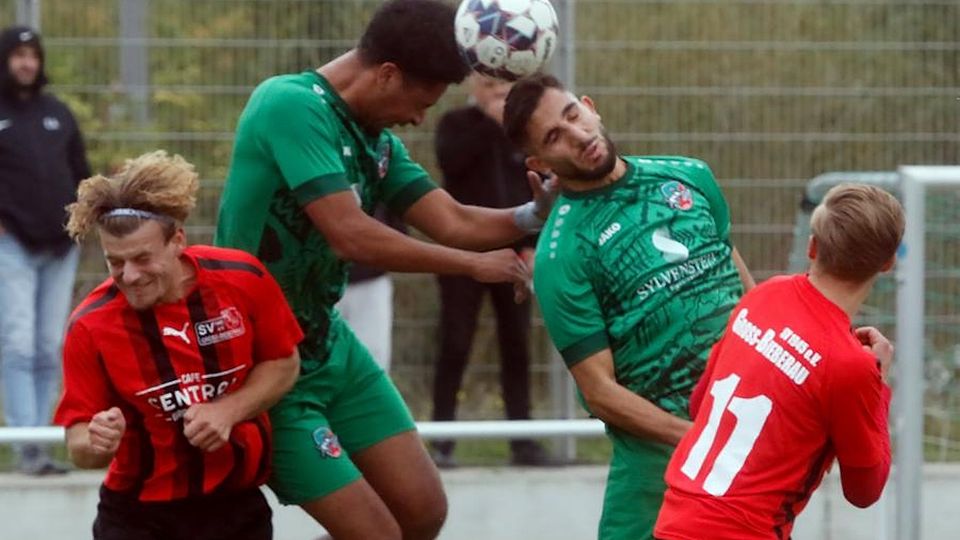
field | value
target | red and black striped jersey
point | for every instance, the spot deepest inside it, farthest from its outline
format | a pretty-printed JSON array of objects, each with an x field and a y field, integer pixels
[{"x": 155, "y": 363}]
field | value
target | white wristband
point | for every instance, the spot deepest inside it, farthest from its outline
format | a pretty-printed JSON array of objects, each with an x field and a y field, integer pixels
[{"x": 526, "y": 218}]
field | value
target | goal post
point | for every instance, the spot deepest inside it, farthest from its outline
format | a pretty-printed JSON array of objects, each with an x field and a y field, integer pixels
[{"x": 917, "y": 185}]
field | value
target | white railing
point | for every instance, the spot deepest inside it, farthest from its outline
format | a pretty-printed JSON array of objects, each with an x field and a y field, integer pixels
[{"x": 482, "y": 429}]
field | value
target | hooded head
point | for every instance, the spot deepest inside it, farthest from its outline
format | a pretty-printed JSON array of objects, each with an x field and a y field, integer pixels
[{"x": 15, "y": 42}]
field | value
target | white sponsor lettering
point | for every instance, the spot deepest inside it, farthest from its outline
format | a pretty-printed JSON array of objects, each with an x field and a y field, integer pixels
[
  {"x": 608, "y": 233},
  {"x": 227, "y": 326},
  {"x": 676, "y": 276},
  {"x": 765, "y": 343}
]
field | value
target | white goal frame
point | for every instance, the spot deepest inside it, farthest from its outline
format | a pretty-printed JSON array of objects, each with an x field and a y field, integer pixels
[{"x": 908, "y": 397}]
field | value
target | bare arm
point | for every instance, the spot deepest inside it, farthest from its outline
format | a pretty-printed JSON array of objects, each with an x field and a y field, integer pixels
[
  {"x": 92, "y": 445},
  {"x": 357, "y": 237},
  {"x": 477, "y": 228},
  {"x": 745, "y": 276},
  {"x": 208, "y": 425},
  {"x": 618, "y": 406}
]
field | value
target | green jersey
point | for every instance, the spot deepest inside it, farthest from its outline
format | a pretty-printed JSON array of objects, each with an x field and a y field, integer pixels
[
  {"x": 641, "y": 266},
  {"x": 297, "y": 141}
]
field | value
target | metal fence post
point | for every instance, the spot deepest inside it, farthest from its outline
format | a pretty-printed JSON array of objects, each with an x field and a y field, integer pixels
[
  {"x": 28, "y": 13},
  {"x": 133, "y": 58}
]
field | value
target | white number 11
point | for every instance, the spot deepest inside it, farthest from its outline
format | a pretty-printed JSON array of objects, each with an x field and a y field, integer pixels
[{"x": 751, "y": 414}]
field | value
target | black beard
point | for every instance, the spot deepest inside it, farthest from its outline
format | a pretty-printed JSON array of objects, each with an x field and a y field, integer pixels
[{"x": 597, "y": 173}]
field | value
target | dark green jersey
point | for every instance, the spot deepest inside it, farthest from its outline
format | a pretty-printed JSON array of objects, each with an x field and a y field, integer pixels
[
  {"x": 642, "y": 266},
  {"x": 296, "y": 142}
]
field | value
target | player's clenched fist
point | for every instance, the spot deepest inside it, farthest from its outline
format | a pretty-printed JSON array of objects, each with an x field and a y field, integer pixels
[
  {"x": 207, "y": 425},
  {"x": 877, "y": 344},
  {"x": 106, "y": 429}
]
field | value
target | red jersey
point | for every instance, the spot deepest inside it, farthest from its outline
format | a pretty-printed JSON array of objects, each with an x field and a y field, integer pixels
[
  {"x": 787, "y": 388},
  {"x": 155, "y": 363}
]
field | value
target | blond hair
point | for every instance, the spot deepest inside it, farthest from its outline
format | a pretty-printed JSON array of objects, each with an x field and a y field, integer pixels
[
  {"x": 858, "y": 229},
  {"x": 154, "y": 182}
]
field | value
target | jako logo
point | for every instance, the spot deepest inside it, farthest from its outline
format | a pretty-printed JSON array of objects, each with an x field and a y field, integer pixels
[
  {"x": 673, "y": 251},
  {"x": 608, "y": 233}
]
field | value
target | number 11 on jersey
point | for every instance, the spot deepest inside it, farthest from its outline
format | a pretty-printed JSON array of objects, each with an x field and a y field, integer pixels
[{"x": 751, "y": 414}]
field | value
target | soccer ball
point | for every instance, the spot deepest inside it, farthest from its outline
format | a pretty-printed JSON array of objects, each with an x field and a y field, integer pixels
[{"x": 506, "y": 39}]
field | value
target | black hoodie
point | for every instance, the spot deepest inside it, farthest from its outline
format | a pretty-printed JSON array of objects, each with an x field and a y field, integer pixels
[{"x": 42, "y": 158}]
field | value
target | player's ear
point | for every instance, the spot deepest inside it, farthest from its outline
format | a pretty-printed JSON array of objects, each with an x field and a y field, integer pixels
[
  {"x": 388, "y": 75},
  {"x": 534, "y": 164},
  {"x": 588, "y": 103},
  {"x": 887, "y": 266},
  {"x": 812, "y": 248},
  {"x": 179, "y": 240}
]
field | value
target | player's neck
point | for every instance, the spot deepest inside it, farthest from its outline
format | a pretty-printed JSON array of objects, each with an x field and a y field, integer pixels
[
  {"x": 344, "y": 75},
  {"x": 847, "y": 295},
  {"x": 182, "y": 282},
  {"x": 619, "y": 169}
]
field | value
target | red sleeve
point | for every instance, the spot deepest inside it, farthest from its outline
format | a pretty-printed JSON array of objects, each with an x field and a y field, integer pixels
[
  {"x": 696, "y": 397},
  {"x": 276, "y": 331},
  {"x": 858, "y": 406},
  {"x": 86, "y": 389}
]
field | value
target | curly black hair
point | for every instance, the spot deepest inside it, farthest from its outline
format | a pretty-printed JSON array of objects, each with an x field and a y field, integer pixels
[{"x": 417, "y": 36}]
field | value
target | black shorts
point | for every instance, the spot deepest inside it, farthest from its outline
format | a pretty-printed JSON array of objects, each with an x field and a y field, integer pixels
[{"x": 243, "y": 515}]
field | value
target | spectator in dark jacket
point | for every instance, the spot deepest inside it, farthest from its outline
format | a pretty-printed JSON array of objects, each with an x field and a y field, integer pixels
[
  {"x": 42, "y": 160},
  {"x": 480, "y": 167}
]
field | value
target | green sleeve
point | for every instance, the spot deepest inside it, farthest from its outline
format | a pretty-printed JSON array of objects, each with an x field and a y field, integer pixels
[
  {"x": 702, "y": 178},
  {"x": 569, "y": 305},
  {"x": 305, "y": 143},
  {"x": 406, "y": 180}
]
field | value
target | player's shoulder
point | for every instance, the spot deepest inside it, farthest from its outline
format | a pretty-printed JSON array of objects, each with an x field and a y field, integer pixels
[
  {"x": 291, "y": 94},
  {"x": 102, "y": 302},
  {"x": 689, "y": 170},
  {"x": 227, "y": 262}
]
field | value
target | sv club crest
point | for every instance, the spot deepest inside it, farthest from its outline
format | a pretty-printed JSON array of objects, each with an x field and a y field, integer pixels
[{"x": 677, "y": 195}]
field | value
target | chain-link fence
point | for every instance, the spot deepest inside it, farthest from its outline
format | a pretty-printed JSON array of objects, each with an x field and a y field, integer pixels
[{"x": 769, "y": 92}]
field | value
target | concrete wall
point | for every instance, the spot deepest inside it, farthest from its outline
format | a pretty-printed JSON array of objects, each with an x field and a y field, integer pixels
[{"x": 489, "y": 504}]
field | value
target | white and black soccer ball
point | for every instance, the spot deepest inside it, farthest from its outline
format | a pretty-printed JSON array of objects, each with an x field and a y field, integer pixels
[{"x": 506, "y": 39}]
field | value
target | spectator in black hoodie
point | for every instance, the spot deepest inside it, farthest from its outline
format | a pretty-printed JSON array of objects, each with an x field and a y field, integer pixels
[{"x": 42, "y": 160}]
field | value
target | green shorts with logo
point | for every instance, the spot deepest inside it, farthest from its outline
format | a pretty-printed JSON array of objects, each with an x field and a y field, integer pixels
[
  {"x": 635, "y": 487},
  {"x": 342, "y": 408}
]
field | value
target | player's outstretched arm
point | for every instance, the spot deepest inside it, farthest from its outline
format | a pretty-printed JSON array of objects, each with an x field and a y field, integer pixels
[
  {"x": 92, "y": 445},
  {"x": 745, "y": 277},
  {"x": 477, "y": 228},
  {"x": 618, "y": 406},
  {"x": 357, "y": 237},
  {"x": 207, "y": 425}
]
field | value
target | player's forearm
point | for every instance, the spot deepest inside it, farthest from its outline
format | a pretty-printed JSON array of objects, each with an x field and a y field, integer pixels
[
  {"x": 618, "y": 406},
  {"x": 382, "y": 247},
  {"x": 478, "y": 228},
  {"x": 267, "y": 383},
  {"x": 80, "y": 451}
]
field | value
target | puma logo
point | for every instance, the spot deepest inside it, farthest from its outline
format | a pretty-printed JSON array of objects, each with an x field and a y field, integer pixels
[{"x": 182, "y": 334}]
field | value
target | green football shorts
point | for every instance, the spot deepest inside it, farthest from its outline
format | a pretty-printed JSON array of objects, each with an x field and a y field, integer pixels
[
  {"x": 635, "y": 487},
  {"x": 344, "y": 407}
]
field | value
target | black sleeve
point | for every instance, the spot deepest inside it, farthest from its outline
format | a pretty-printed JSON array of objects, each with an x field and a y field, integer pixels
[
  {"x": 78, "y": 155},
  {"x": 455, "y": 146}
]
